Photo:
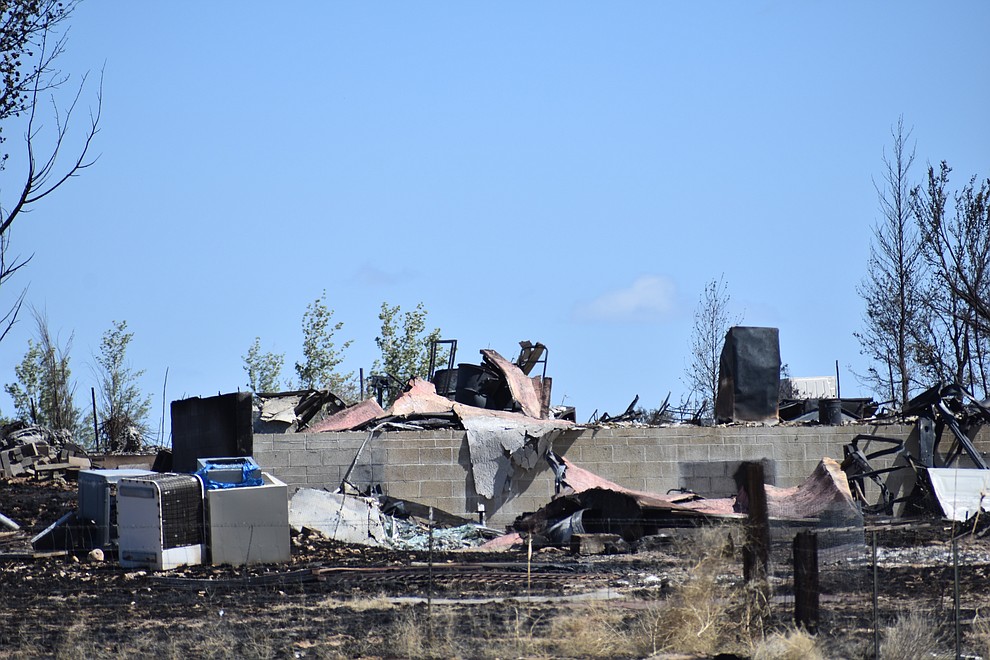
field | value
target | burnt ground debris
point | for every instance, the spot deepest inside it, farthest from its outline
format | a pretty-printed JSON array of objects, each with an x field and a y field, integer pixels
[{"x": 336, "y": 600}]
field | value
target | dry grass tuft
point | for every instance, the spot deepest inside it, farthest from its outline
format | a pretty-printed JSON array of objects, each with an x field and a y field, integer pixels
[
  {"x": 212, "y": 636},
  {"x": 380, "y": 602},
  {"x": 710, "y": 612},
  {"x": 913, "y": 636},
  {"x": 74, "y": 643},
  {"x": 979, "y": 636},
  {"x": 416, "y": 635},
  {"x": 794, "y": 644},
  {"x": 694, "y": 618},
  {"x": 449, "y": 633},
  {"x": 595, "y": 631}
]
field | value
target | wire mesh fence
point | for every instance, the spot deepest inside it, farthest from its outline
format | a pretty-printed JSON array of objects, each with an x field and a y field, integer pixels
[
  {"x": 891, "y": 589},
  {"x": 884, "y": 588}
]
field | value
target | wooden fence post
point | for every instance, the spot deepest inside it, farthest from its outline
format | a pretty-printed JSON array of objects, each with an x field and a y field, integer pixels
[
  {"x": 806, "y": 581},
  {"x": 757, "y": 548}
]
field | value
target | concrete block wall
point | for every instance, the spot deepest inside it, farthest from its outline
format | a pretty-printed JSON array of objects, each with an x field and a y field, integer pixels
[{"x": 433, "y": 467}]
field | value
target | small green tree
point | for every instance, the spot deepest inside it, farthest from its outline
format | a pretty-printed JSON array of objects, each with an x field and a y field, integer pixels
[
  {"x": 26, "y": 392},
  {"x": 43, "y": 393},
  {"x": 406, "y": 350},
  {"x": 321, "y": 357},
  {"x": 123, "y": 408},
  {"x": 263, "y": 368}
]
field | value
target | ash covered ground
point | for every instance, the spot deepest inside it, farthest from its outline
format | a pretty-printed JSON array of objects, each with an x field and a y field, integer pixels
[{"x": 336, "y": 600}]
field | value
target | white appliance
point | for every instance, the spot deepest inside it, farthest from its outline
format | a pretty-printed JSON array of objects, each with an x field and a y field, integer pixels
[
  {"x": 97, "y": 500},
  {"x": 249, "y": 524},
  {"x": 160, "y": 521}
]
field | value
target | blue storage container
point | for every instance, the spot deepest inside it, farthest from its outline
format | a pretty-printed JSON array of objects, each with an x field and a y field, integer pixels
[{"x": 232, "y": 472}]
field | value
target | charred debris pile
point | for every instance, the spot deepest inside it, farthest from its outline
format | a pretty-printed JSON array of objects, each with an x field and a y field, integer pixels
[
  {"x": 222, "y": 508},
  {"x": 39, "y": 452},
  {"x": 495, "y": 384},
  {"x": 750, "y": 390}
]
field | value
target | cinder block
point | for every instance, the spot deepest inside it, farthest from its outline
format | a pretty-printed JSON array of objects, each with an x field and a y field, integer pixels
[
  {"x": 792, "y": 473},
  {"x": 336, "y": 457},
  {"x": 352, "y": 445},
  {"x": 436, "y": 456},
  {"x": 644, "y": 470},
  {"x": 304, "y": 457},
  {"x": 419, "y": 443},
  {"x": 436, "y": 489},
  {"x": 662, "y": 454},
  {"x": 406, "y": 490},
  {"x": 286, "y": 442},
  {"x": 384, "y": 473},
  {"x": 80, "y": 462},
  {"x": 722, "y": 487},
  {"x": 624, "y": 440},
  {"x": 724, "y": 452},
  {"x": 451, "y": 472},
  {"x": 316, "y": 442},
  {"x": 451, "y": 443},
  {"x": 364, "y": 476},
  {"x": 413, "y": 472},
  {"x": 789, "y": 451},
  {"x": 291, "y": 474},
  {"x": 269, "y": 460},
  {"x": 700, "y": 485},
  {"x": 262, "y": 442},
  {"x": 619, "y": 470},
  {"x": 718, "y": 468},
  {"x": 11, "y": 462},
  {"x": 330, "y": 472},
  {"x": 692, "y": 452},
  {"x": 660, "y": 485},
  {"x": 399, "y": 455},
  {"x": 645, "y": 459},
  {"x": 636, "y": 483},
  {"x": 757, "y": 452},
  {"x": 629, "y": 454}
]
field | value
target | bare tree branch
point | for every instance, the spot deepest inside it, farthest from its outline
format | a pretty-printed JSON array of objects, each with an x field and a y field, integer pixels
[
  {"x": 957, "y": 247},
  {"x": 29, "y": 48},
  {"x": 711, "y": 323},
  {"x": 893, "y": 289}
]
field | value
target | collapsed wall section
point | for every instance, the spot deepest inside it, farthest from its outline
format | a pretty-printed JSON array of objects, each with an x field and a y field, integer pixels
[{"x": 434, "y": 467}]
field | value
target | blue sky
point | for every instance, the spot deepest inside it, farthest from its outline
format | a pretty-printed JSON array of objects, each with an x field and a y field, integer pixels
[{"x": 571, "y": 173}]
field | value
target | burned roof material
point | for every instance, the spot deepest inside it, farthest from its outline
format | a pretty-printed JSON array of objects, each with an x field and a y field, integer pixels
[
  {"x": 494, "y": 384},
  {"x": 499, "y": 441},
  {"x": 588, "y": 503},
  {"x": 523, "y": 389},
  {"x": 296, "y": 410},
  {"x": 349, "y": 418},
  {"x": 504, "y": 412}
]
